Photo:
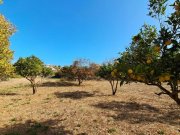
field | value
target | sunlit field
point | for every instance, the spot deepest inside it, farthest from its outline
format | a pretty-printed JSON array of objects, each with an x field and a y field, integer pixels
[
  {"x": 90, "y": 67},
  {"x": 63, "y": 108}
]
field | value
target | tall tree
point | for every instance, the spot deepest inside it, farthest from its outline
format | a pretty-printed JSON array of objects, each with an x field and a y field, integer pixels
[{"x": 6, "y": 55}]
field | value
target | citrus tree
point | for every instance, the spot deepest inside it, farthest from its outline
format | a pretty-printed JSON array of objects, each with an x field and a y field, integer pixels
[
  {"x": 153, "y": 57},
  {"x": 30, "y": 68},
  {"x": 47, "y": 72},
  {"x": 110, "y": 73},
  {"x": 80, "y": 70},
  {"x": 6, "y": 55},
  {"x": 66, "y": 72}
]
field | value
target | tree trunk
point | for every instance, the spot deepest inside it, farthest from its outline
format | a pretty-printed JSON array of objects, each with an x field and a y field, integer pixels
[
  {"x": 34, "y": 89},
  {"x": 33, "y": 84},
  {"x": 79, "y": 81},
  {"x": 113, "y": 86},
  {"x": 175, "y": 98},
  {"x": 173, "y": 95},
  {"x": 113, "y": 92},
  {"x": 177, "y": 101}
]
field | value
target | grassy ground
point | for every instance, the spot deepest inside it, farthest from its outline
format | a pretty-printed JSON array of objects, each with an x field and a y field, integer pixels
[{"x": 63, "y": 108}]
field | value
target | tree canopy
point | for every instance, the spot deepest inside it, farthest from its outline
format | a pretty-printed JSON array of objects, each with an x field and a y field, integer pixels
[{"x": 6, "y": 55}]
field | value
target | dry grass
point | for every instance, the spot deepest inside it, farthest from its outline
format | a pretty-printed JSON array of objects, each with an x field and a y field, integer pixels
[{"x": 62, "y": 108}]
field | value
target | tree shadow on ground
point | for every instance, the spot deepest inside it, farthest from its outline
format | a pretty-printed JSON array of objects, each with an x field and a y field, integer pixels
[
  {"x": 135, "y": 113},
  {"x": 100, "y": 94},
  {"x": 58, "y": 84},
  {"x": 9, "y": 94},
  {"x": 74, "y": 95},
  {"x": 49, "y": 127}
]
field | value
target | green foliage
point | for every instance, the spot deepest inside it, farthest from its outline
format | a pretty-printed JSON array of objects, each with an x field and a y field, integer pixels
[
  {"x": 110, "y": 72},
  {"x": 154, "y": 57},
  {"x": 46, "y": 72},
  {"x": 80, "y": 70},
  {"x": 1, "y": 1},
  {"x": 66, "y": 72},
  {"x": 6, "y": 55},
  {"x": 105, "y": 71},
  {"x": 30, "y": 68},
  {"x": 157, "y": 8}
]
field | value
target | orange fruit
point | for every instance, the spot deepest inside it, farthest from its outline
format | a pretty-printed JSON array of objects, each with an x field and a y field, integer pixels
[
  {"x": 130, "y": 71},
  {"x": 112, "y": 74},
  {"x": 157, "y": 48},
  {"x": 167, "y": 77},
  {"x": 168, "y": 42},
  {"x": 115, "y": 71},
  {"x": 161, "y": 79},
  {"x": 149, "y": 61},
  {"x": 139, "y": 78}
]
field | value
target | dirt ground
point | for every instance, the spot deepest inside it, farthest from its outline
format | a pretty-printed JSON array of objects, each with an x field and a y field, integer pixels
[{"x": 63, "y": 108}]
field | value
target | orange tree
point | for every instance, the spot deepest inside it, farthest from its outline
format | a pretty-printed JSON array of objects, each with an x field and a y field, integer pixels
[
  {"x": 110, "y": 73},
  {"x": 47, "y": 72},
  {"x": 66, "y": 72},
  {"x": 30, "y": 68},
  {"x": 153, "y": 57},
  {"x": 93, "y": 69},
  {"x": 80, "y": 70}
]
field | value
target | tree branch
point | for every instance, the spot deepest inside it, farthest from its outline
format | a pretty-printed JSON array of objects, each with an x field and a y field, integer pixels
[
  {"x": 161, "y": 87},
  {"x": 159, "y": 94}
]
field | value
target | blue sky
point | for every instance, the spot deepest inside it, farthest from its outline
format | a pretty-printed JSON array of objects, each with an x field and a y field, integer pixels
[{"x": 60, "y": 31}]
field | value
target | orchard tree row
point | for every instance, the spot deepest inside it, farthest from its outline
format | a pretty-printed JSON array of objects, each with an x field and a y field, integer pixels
[
  {"x": 32, "y": 67},
  {"x": 153, "y": 56}
]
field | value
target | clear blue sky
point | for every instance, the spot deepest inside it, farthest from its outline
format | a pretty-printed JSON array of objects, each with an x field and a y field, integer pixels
[{"x": 60, "y": 31}]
